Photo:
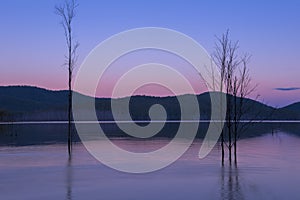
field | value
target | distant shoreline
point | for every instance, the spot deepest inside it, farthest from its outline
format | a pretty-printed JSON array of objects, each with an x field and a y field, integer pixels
[{"x": 144, "y": 121}]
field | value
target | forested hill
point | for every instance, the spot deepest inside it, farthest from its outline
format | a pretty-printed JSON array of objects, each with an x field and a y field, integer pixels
[{"x": 32, "y": 103}]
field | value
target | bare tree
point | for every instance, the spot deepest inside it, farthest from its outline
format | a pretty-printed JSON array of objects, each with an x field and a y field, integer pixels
[
  {"x": 237, "y": 82},
  {"x": 242, "y": 90},
  {"x": 225, "y": 58},
  {"x": 220, "y": 57},
  {"x": 67, "y": 14}
]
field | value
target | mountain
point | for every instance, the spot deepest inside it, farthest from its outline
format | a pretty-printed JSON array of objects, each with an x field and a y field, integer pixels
[
  {"x": 18, "y": 99},
  {"x": 33, "y": 103},
  {"x": 291, "y": 111},
  {"x": 295, "y": 107}
]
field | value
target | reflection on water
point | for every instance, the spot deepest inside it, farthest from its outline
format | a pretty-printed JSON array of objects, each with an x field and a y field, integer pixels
[
  {"x": 230, "y": 186},
  {"x": 69, "y": 176},
  {"x": 35, "y": 133},
  {"x": 268, "y": 168}
]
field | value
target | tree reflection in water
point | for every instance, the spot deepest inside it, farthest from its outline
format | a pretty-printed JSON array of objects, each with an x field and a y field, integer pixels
[
  {"x": 69, "y": 179},
  {"x": 230, "y": 183}
]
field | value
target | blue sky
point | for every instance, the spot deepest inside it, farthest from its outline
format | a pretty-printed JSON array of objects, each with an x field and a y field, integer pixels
[{"x": 33, "y": 43}]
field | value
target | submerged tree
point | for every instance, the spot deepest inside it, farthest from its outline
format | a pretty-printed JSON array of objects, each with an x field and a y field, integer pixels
[
  {"x": 236, "y": 83},
  {"x": 220, "y": 57},
  {"x": 67, "y": 14}
]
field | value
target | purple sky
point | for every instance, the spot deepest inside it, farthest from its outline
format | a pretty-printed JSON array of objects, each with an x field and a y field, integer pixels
[{"x": 33, "y": 45}]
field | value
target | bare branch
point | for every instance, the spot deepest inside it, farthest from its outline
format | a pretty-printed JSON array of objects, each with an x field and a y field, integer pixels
[{"x": 67, "y": 14}]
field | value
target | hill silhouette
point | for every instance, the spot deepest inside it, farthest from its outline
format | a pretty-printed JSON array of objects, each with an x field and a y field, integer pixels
[
  {"x": 295, "y": 107},
  {"x": 33, "y": 103}
]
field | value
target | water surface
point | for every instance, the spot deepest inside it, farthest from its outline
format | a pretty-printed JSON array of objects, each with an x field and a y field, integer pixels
[{"x": 268, "y": 168}]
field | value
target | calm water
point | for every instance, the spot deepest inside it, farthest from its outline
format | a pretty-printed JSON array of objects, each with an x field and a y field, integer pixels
[{"x": 268, "y": 168}]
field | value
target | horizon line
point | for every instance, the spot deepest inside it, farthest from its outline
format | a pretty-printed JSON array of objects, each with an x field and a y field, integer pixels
[{"x": 141, "y": 121}]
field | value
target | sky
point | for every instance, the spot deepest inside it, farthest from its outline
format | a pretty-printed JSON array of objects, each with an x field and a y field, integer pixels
[{"x": 33, "y": 44}]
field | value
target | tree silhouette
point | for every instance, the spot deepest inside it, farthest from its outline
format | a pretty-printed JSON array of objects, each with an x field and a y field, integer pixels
[
  {"x": 67, "y": 14},
  {"x": 235, "y": 77}
]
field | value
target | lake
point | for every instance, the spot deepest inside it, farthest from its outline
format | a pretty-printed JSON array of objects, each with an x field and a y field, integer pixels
[{"x": 268, "y": 168}]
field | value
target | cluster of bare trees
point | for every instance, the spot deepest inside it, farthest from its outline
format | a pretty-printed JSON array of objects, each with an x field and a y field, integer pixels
[{"x": 236, "y": 84}]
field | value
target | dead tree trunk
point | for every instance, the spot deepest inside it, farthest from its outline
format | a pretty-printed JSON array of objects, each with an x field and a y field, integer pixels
[
  {"x": 236, "y": 80},
  {"x": 67, "y": 13}
]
